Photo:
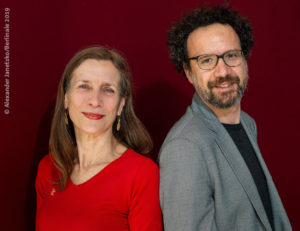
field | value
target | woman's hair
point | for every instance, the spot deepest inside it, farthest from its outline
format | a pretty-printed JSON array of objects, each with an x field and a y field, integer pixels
[{"x": 132, "y": 133}]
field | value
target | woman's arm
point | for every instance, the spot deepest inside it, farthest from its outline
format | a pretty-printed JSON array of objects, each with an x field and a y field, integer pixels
[{"x": 144, "y": 210}]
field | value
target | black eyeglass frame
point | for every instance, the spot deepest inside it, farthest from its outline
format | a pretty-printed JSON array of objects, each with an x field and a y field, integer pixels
[{"x": 218, "y": 57}]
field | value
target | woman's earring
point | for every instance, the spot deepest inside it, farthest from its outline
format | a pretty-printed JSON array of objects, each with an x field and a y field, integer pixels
[
  {"x": 118, "y": 123},
  {"x": 66, "y": 117}
]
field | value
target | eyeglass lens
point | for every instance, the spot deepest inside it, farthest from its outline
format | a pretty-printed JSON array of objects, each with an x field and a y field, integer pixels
[{"x": 231, "y": 58}]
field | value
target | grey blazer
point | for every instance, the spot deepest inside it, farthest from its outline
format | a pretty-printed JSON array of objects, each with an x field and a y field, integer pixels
[{"x": 205, "y": 183}]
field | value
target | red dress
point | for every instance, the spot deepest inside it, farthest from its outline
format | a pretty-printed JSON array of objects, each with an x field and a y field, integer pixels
[{"x": 121, "y": 197}]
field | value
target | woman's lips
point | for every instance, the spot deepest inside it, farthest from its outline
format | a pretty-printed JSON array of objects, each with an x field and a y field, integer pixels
[{"x": 93, "y": 116}]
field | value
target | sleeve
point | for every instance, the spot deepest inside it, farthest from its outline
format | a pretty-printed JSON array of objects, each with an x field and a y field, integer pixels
[
  {"x": 186, "y": 192},
  {"x": 144, "y": 208},
  {"x": 44, "y": 179}
]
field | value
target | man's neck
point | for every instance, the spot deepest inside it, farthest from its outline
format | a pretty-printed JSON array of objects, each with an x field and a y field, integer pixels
[{"x": 228, "y": 115}]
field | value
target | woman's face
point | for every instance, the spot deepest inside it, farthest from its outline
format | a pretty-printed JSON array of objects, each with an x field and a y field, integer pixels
[{"x": 93, "y": 98}]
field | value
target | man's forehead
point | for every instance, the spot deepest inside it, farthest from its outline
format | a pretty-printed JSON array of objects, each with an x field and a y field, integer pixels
[{"x": 215, "y": 38}]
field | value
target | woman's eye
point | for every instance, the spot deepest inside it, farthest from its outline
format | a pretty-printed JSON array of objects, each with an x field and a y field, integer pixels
[
  {"x": 84, "y": 86},
  {"x": 109, "y": 90}
]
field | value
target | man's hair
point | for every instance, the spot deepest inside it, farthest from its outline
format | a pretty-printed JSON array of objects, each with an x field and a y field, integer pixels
[{"x": 205, "y": 16}]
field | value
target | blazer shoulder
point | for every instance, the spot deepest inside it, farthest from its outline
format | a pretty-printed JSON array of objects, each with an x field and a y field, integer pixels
[
  {"x": 247, "y": 117},
  {"x": 190, "y": 127},
  {"x": 248, "y": 121},
  {"x": 190, "y": 140}
]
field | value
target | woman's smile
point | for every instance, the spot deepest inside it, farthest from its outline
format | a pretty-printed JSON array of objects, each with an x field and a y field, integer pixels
[{"x": 93, "y": 116}]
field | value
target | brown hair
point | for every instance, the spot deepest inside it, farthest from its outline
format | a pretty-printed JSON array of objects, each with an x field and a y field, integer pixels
[{"x": 132, "y": 133}]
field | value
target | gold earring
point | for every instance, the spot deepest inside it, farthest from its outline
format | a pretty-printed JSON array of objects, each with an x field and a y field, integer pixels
[
  {"x": 66, "y": 117},
  {"x": 118, "y": 123}
]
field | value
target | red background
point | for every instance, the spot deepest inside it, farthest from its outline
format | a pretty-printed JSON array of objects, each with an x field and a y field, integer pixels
[{"x": 45, "y": 35}]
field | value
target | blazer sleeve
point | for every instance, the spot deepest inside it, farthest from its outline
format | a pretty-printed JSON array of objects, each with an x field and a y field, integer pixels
[
  {"x": 144, "y": 208},
  {"x": 186, "y": 193}
]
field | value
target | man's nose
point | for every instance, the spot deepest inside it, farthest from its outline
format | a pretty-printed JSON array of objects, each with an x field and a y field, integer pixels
[{"x": 222, "y": 69}]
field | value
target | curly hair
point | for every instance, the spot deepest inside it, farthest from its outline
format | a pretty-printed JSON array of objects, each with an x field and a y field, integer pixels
[{"x": 205, "y": 16}]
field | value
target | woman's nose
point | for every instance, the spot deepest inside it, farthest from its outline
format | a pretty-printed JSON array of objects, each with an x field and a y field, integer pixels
[{"x": 95, "y": 99}]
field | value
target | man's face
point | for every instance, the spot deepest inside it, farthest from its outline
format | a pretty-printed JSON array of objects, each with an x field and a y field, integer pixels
[{"x": 223, "y": 86}]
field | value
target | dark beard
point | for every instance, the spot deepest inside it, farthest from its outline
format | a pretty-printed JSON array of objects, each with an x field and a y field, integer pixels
[{"x": 227, "y": 99}]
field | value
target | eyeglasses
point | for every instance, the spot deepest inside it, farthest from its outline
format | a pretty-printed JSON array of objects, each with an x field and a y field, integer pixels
[{"x": 231, "y": 58}]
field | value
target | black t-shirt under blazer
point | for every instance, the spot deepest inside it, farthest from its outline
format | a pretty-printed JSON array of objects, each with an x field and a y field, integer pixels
[{"x": 241, "y": 140}]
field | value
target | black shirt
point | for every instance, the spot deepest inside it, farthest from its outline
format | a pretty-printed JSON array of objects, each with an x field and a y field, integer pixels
[{"x": 241, "y": 140}]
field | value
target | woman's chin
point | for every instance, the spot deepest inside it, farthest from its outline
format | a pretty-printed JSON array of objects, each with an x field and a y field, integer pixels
[{"x": 92, "y": 131}]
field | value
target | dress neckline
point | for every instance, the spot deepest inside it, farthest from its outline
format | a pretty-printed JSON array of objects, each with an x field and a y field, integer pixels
[{"x": 103, "y": 170}]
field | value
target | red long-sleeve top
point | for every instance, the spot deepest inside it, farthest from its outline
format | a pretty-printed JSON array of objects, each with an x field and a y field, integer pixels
[{"x": 121, "y": 197}]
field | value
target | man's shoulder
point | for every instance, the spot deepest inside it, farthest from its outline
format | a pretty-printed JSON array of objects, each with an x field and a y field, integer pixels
[
  {"x": 190, "y": 127},
  {"x": 248, "y": 121},
  {"x": 246, "y": 117}
]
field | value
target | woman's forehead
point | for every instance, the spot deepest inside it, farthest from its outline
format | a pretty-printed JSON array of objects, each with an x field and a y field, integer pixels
[{"x": 96, "y": 70}]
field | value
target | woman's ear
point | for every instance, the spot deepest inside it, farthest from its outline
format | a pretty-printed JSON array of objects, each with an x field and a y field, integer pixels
[{"x": 121, "y": 105}]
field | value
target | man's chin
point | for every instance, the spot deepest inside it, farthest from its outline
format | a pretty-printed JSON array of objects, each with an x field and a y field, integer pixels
[{"x": 224, "y": 102}]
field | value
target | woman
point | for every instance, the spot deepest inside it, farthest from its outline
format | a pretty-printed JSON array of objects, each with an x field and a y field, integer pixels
[{"x": 94, "y": 178}]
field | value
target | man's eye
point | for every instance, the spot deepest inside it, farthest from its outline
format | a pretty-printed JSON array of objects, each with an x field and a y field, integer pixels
[
  {"x": 232, "y": 55},
  {"x": 206, "y": 60}
]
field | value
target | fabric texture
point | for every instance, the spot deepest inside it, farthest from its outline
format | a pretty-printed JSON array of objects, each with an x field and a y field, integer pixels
[
  {"x": 122, "y": 196},
  {"x": 205, "y": 183}
]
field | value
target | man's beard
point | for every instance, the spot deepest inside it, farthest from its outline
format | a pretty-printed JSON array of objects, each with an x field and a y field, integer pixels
[{"x": 226, "y": 99}]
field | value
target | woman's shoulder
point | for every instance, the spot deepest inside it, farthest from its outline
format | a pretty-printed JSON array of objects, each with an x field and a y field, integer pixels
[
  {"x": 140, "y": 162},
  {"x": 46, "y": 161},
  {"x": 47, "y": 168},
  {"x": 144, "y": 174}
]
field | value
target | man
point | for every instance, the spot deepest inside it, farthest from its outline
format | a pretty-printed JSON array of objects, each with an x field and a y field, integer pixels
[{"x": 212, "y": 174}]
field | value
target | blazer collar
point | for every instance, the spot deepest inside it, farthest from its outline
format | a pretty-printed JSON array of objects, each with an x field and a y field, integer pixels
[
  {"x": 232, "y": 154},
  {"x": 205, "y": 113}
]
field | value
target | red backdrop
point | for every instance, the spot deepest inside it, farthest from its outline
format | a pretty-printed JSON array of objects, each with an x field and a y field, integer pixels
[{"x": 44, "y": 35}]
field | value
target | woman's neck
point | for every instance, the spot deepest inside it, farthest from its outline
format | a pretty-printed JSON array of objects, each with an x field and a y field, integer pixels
[{"x": 95, "y": 150}]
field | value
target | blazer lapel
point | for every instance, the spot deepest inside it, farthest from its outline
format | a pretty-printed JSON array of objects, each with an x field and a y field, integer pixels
[
  {"x": 233, "y": 156},
  {"x": 281, "y": 221},
  {"x": 240, "y": 169}
]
